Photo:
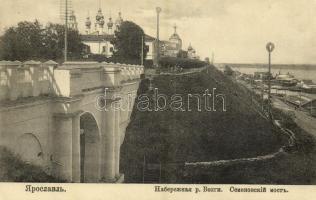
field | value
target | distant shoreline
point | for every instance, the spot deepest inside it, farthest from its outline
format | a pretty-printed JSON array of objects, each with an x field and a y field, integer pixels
[{"x": 261, "y": 65}]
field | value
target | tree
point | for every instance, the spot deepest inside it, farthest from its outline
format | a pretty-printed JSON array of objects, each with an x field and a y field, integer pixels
[
  {"x": 29, "y": 40},
  {"x": 228, "y": 70},
  {"x": 53, "y": 41},
  {"x": 128, "y": 43},
  {"x": 21, "y": 42}
]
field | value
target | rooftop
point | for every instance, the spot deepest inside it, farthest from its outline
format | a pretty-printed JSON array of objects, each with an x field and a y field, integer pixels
[
  {"x": 96, "y": 38},
  {"x": 108, "y": 37}
]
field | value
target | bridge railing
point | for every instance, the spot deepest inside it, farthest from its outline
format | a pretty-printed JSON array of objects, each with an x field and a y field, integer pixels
[
  {"x": 32, "y": 78},
  {"x": 74, "y": 78},
  {"x": 25, "y": 79}
]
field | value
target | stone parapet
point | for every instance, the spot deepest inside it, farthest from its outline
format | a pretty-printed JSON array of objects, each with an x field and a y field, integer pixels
[
  {"x": 74, "y": 78},
  {"x": 33, "y": 78},
  {"x": 28, "y": 79}
]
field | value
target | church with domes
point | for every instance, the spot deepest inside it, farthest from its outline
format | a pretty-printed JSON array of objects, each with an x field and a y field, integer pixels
[
  {"x": 99, "y": 31},
  {"x": 173, "y": 46}
]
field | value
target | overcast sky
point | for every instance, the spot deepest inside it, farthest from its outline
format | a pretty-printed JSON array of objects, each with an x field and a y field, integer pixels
[{"x": 235, "y": 30}]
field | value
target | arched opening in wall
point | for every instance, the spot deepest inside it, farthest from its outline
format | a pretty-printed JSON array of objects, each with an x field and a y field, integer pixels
[
  {"x": 89, "y": 149},
  {"x": 29, "y": 149}
]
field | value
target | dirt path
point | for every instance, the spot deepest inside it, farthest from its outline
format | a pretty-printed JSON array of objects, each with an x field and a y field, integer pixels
[
  {"x": 307, "y": 123},
  {"x": 302, "y": 119}
]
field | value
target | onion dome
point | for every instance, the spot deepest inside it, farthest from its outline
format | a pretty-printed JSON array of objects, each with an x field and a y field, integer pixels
[
  {"x": 190, "y": 48},
  {"x": 175, "y": 36},
  {"x": 99, "y": 15},
  {"x": 119, "y": 20},
  {"x": 110, "y": 23}
]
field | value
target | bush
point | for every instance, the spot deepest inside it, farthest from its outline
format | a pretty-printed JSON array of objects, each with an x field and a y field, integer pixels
[
  {"x": 167, "y": 62},
  {"x": 13, "y": 169},
  {"x": 228, "y": 71}
]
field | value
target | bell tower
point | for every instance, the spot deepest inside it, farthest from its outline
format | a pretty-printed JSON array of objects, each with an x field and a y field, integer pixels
[
  {"x": 110, "y": 25},
  {"x": 99, "y": 21},
  {"x": 88, "y": 25}
]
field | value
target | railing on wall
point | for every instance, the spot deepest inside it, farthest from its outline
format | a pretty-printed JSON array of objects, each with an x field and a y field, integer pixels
[
  {"x": 26, "y": 79},
  {"x": 32, "y": 78}
]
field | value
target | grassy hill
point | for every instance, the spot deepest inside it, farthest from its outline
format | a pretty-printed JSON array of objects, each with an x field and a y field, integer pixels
[{"x": 171, "y": 138}]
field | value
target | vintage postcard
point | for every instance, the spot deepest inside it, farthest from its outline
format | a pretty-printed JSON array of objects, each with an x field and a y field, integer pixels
[{"x": 157, "y": 99}]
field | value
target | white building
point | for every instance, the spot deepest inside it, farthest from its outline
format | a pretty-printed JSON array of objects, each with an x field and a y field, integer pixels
[
  {"x": 174, "y": 45},
  {"x": 99, "y": 44},
  {"x": 98, "y": 37}
]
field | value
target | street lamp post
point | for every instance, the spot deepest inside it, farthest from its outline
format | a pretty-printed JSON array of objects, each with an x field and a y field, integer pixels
[
  {"x": 66, "y": 32},
  {"x": 142, "y": 52},
  {"x": 269, "y": 47},
  {"x": 312, "y": 107},
  {"x": 158, "y": 10}
]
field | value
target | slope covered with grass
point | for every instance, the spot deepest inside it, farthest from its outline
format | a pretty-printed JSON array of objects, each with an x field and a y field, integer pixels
[{"x": 171, "y": 138}]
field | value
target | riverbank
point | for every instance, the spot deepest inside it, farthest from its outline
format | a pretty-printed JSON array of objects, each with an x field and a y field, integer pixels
[{"x": 300, "y": 71}]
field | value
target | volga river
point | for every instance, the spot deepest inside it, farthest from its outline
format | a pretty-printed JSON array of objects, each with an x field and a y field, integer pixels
[{"x": 299, "y": 71}]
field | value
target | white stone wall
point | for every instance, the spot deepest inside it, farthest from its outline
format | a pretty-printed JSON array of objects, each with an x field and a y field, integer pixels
[
  {"x": 29, "y": 118},
  {"x": 50, "y": 125},
  {"x": 102, "y": 47}
]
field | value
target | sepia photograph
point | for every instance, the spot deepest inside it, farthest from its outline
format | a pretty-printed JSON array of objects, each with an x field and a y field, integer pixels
[{"x": 158, "y": 92}]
